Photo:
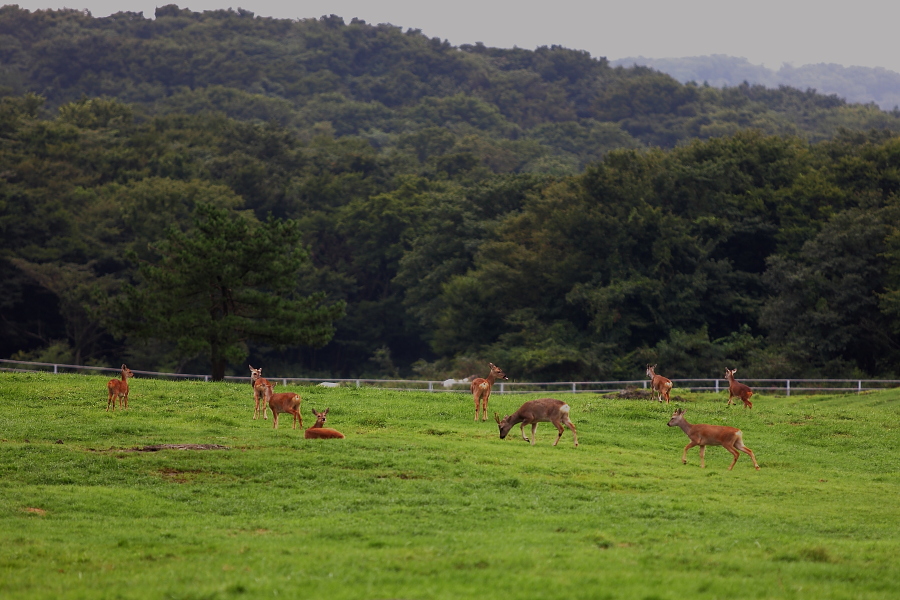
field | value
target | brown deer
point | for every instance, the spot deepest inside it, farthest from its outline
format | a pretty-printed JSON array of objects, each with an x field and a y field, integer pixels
[
  {"x": 729, "y": 438},
  {"x": 317, "y": 432},
  {"x": 259, "y": 391},
  {"x": 538, "y": 411},
  {"x": 118, "y": 388},
  {"x": 481, "y": 389},
  {"x": 660, "y": 384},
  {"x": 285, "y": 402},
  {"x": 737, "y": 389}
]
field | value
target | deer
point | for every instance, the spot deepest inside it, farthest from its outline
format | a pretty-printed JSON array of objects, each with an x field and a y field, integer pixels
[
  {"x": 730, "y": 438},
  {"x": 317, "y": 432},
  {"x": 538, "y": 411},
  {"x": 285, "y": 402},
  {"x": 259, "y": 384},
  {"x": 660, "y": 384},
  {"x": 118, "y": 388},
  {"x": 737, "y": 389},
  {"x": 481, "y": 389}
]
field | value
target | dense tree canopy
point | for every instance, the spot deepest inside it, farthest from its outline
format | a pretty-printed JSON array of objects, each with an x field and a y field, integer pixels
[{"x": 538, "y": 209}]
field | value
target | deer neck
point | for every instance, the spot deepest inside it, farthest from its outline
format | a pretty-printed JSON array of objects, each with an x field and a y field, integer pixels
[{"x": 685, "y": 427}]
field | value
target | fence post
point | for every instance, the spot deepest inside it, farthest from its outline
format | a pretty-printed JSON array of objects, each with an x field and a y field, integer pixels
[
  {"x": 645, "y": 385},
  {"x": 357, "y": 383},
  {"x": 430, "y": 386},
  {"x": 501, "y": 391},
  {"x": 717, "y": 386},
  {"x": 55, "y": 372},
  {"x": 859, "y": 387},
  {"x": 788, "y": 385},
  {"x": 573, "y": 387}
]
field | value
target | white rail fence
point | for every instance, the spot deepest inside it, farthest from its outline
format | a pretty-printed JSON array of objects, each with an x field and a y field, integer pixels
[{"x": 772, "y": 386}]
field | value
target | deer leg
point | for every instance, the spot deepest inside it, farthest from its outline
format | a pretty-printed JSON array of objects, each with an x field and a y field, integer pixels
[
  {"x": 568, "y": 423},
  {"x": 533, "y": 436},
  {"x": 559, "y": 429},
  {"x": 126, "y": 399},
  {"x": 686, "y": 448},
  {"x": 749, "y": 452},
  {"x": 702, "y": 457},
  {"x": 522, "y": 429},
  {"x": 274, "y": 419},
  {"x": 476, "y": 397},
  {"x": 734, "y": 453},
  {"x": 484, "y": 403}
]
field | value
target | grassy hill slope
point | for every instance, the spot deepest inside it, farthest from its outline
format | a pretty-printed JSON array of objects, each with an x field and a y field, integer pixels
[{"x": 420, "y": 502}]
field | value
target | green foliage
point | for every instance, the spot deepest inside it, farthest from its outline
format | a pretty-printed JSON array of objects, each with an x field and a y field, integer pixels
[
  {"x": 396, "y": 509},
  {"x": 227, "y": 281}
]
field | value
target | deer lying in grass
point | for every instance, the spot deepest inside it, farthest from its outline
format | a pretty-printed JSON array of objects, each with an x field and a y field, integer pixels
[
  {"x": 660, "y": 384},
  {"x": 729, "y": 438},
  {"x": 481, "y": 389},
  {"x": 737, "y": 389},
  {"x": 538, "y": 411},
  {"x": 285, "y": 402},
  {"x": 118, "y": 388},
  {"x": 259, "y": 391},
  {"x": 317, "y": 432}
]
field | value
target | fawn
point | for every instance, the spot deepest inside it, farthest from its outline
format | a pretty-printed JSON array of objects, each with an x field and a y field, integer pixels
[
  {"x": 259, "y": 391},
  {"x": 737, "y": 389},
  {"x": 660, "y": 384},
  {"x": 481, "y": 389},
  {"x": 729, "y": 438},
  {"x": 118, "y": 388},
  {"x": 285, "y": 402},
  {"x": 317, "y": 432}
]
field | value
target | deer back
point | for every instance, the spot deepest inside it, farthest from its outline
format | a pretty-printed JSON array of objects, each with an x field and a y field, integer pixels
[
  {"x": 283, "y": 401},
  {"x": 705, "y": 435},
  {"x": 544, "y": 410}
]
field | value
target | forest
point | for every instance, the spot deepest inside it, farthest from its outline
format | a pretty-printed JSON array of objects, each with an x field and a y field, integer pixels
[{"x": 194, "y": 191}]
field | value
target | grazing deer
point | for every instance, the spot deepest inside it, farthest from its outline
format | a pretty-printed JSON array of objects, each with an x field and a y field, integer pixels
[
  {"x": 538, "y": 411},
  {"x": 481, "y": 389},
  {"x": 259, "y": 391},
  {"x": 285, "y": 402},
  {"x": 729, "y": 438},
  {"x": 660, "y": 384},
  {"x": 317, "y": 432},
  {"x": 737, "y": 389},
  {"x": 119, "y": 389}
]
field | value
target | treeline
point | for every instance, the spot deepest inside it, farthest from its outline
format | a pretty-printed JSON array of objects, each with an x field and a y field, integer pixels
[
  {"x": 763, "y": 251},
  {"x": 538, "y": 209}
]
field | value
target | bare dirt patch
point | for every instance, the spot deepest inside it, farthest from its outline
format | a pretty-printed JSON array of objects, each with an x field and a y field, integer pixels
[
  {"x": 633, "y": 393},
  {"x": 158, "y": 447},
  {"x": 36, "y": 511}
]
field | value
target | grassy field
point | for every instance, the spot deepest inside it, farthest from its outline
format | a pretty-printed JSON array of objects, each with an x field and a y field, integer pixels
[{"x": 419, "y": 502}]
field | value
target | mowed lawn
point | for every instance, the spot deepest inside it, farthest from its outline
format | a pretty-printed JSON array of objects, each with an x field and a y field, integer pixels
[{"x": 420, "y": 502}]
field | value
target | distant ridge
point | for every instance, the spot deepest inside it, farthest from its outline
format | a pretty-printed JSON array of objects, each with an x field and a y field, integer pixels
[{"x": 862, "y": 85}]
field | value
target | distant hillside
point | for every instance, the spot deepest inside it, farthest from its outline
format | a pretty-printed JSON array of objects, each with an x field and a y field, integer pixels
[
  {"x": 555, "y": 109},
  {"x": 854, "y": 84}
]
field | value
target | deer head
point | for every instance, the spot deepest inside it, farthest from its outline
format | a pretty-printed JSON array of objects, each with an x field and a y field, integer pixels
[
  {"x": 677, "y": 417},
  {"x": 729, "y": 373},
  {"x": 497, "y": 372},
  {"x": 650, "y": 371},
  {"x": 255, "y": 373},
  {"x": 504, "y": 424}
]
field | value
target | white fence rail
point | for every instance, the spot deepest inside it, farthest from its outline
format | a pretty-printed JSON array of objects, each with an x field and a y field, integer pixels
[{"x": 773, "y": 386}]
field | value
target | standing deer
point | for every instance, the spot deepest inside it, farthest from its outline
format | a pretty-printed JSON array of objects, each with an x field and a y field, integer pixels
[
  {"x": 729, "y": 438},
  {"x": 118, "y": 389},
  {"x": 538, "y": 411},
  {"x": 259, "y": 391},
  {"x": 481, "y": 389},
  {"x": 285, "y": 402},
  {"x": 317, "y": 432},
  {"x": 737, "y": 389},
  {"x": 660, "y": 384}
]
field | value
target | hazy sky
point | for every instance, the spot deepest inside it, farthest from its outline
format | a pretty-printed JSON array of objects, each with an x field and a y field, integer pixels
[{"x": 769, "y": 32}]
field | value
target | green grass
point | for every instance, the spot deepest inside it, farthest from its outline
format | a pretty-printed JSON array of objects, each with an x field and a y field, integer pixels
[{"x": 419, "y": 502}]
